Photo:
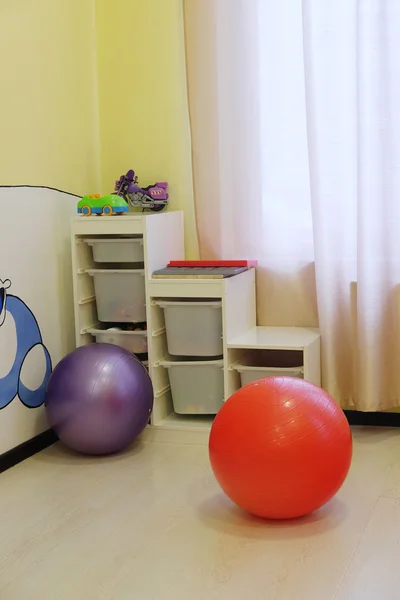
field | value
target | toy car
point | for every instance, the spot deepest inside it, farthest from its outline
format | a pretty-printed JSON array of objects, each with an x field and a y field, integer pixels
[
  {"x": 154, "y": 197},
  {"x": 102, "y": 205}
]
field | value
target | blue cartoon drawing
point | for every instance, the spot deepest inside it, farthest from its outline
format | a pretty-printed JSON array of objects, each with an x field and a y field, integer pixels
[{"x": 28, "y": 337}]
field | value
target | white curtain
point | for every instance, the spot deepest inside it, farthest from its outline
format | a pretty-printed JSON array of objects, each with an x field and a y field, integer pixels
[{"x": 295, "y": 116}]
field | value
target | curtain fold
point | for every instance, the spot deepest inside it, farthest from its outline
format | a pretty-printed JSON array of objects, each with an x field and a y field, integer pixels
[{"x": 295, "y": 139}]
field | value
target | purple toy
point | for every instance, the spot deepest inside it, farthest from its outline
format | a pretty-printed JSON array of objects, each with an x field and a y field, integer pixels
[
  {"x": 154, "y": 197},
  {"x": 99, "y": 398}
]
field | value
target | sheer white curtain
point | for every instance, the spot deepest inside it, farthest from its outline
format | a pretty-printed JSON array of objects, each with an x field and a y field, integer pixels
[{"x": 295, "y": 116}]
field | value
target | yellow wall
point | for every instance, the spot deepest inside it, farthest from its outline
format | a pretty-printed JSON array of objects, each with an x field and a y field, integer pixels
[
  {"x": 51, "y": 115},
  {"x": 48, "y": 104},
  {"x": 144, "y": 122}
]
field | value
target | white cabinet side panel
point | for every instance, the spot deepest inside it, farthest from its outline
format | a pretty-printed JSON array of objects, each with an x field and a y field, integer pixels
[
  {"x": 312, "y": 362},
  {"x": 163, "y": 240},
  {"x": 240, "y": 304}
]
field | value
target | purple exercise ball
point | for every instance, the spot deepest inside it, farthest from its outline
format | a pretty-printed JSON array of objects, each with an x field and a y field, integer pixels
[{"x": 99, "y": 398}]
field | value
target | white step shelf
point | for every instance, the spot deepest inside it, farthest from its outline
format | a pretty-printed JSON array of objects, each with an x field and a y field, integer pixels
[
  {"x": 163, "y": 240},
  {"x": 302, "y": 339}
]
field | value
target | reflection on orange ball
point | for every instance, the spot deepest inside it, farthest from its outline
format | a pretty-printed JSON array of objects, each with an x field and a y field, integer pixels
[{"x": 280, "y": 447}]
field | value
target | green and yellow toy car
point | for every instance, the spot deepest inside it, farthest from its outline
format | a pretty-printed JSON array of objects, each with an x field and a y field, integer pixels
[{"x": 102, "y": 205}]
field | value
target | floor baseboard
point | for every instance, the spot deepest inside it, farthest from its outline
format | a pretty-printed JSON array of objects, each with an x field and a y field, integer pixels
[
  {"x": 26, "y": 449},
  {"x": 47, "y": 438},
  {"x": 373, "y": 419}
]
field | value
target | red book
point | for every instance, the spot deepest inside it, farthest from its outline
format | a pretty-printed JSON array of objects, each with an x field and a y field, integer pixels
[{"x": 212, "y": 263}]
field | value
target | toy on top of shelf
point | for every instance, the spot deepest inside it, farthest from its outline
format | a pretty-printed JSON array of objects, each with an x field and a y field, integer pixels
[
  {"x": 198, "y": 272},
  {"x": 213, "y": 263},
  {"x": 204, "y": 269},
  {"x": 154, "y": 197},
  {"x": 112, "y": 204}
]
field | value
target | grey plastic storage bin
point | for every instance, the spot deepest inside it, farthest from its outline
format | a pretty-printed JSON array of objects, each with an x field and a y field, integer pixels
[
  {"x": 193, "y": 328},
  {"x": 116, "y": 250},
  {"x": 197, "y": 386},
  {"x": 134, "y": 341},
  {"x": 120, "y": 295},
  {"x": 252, "y": 372}
]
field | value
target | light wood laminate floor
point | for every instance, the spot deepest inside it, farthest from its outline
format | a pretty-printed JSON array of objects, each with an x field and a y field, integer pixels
[{"x": 152, "y": 524}]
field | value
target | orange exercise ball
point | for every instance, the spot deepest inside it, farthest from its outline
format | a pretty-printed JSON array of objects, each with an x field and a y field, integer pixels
[{"x": 280, "y": 447}]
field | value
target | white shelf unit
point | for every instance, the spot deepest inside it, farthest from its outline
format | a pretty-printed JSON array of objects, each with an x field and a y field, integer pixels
[
  {"x": 301, "y": 341},
  {"x": 163, "y": 240},
  {"x": 238, "y": 298}
]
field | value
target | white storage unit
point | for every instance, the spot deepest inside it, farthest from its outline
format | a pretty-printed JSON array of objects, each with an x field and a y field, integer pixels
[
  {"x": 134, "y": 341},
  {"x": 180, "y": 390},
  {"x": 234, "y": 299},
  {"x": 197, "y": 387},
  {"x": 117, "y": 250},
  {"x": 193, "y": 328},
  {"x": 120, "y": 295},
  {"x": 297, "y": 350},
  {"x": 122, "y": 291}
]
